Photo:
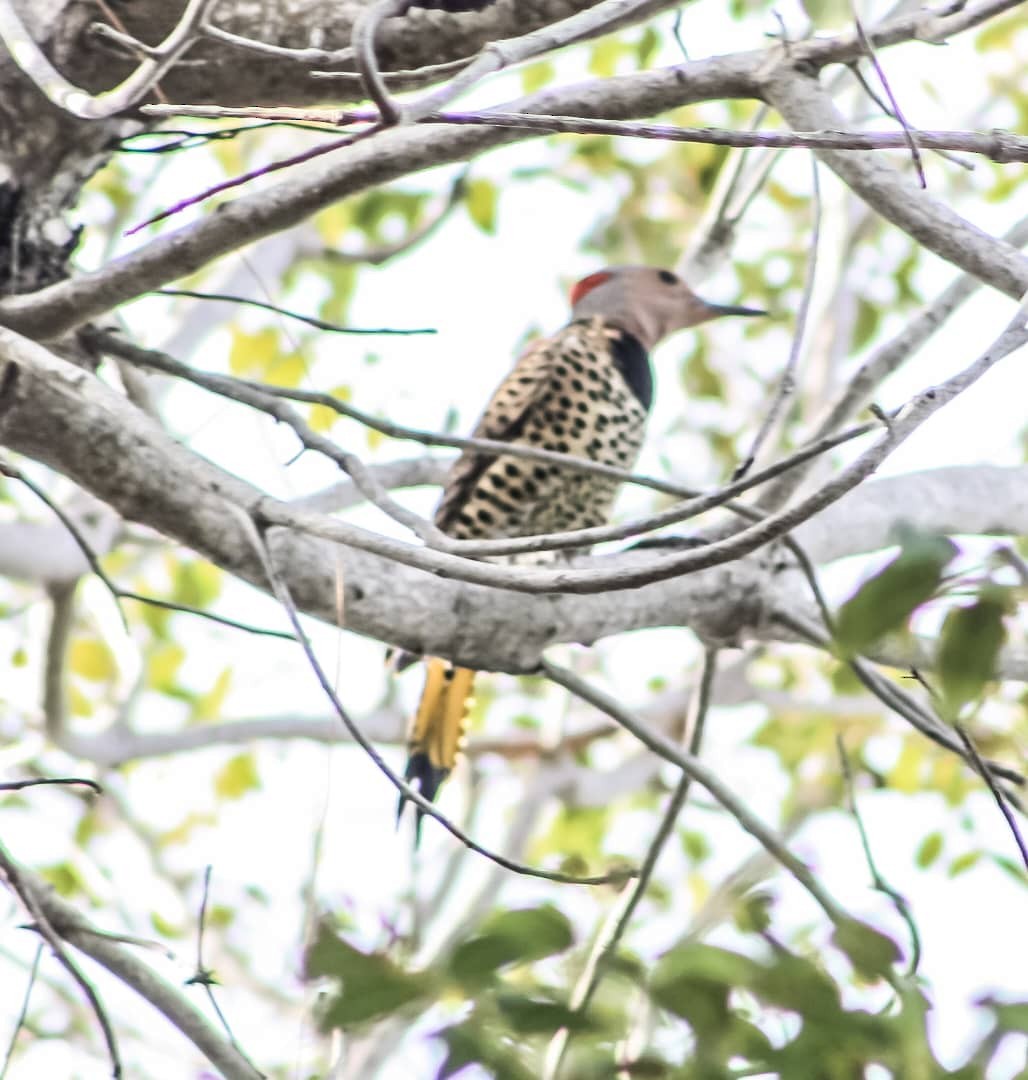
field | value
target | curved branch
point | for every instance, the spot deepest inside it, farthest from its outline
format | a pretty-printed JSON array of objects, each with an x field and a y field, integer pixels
[{"x": 77, "y": 931}]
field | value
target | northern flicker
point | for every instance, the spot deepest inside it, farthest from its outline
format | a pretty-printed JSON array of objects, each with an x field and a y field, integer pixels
[{"x": 584, "y": 391}]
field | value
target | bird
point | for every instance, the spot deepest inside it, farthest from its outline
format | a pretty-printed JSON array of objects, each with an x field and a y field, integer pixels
[{"x": 586, "y": 391}]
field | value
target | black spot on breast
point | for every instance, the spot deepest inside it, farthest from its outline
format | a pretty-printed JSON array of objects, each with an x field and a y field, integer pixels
[
  {"x": 511, "y": 469},
  {"x": 485, "y": 517},
  {"x": 565, "y": 402},
  {"x": 497, "y": 481},
  {"x": 540, "y": 472}
]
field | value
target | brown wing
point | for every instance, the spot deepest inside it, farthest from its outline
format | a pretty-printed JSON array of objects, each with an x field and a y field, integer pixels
[{"x": 503, "y": 419}]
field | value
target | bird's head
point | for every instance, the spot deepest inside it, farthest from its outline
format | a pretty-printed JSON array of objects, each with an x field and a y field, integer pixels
[{"x": 648, "y": 302}]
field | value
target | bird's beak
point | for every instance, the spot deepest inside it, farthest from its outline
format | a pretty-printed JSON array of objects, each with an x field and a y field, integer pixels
[{"x": 717, "y": 310}]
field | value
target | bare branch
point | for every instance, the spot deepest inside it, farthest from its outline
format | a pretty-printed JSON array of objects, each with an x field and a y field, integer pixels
[
  {"x": 29, "y": 57},
  {"x": 427, "y": 807},
  {"x": 692, "y": 766},
  {"x": 310, "y": 320},
  {"x": 616, "y": 925},
  {"x": 78, "y": 932},
  {"x": 787, "y": 382},
  {"x": 23, "y": 889}
]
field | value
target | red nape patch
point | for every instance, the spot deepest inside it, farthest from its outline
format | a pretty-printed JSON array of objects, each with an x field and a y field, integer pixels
[{"x": 587, "y": 284}]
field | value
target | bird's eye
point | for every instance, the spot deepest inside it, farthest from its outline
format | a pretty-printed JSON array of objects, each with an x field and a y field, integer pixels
[{"x": 667, "y": 277}]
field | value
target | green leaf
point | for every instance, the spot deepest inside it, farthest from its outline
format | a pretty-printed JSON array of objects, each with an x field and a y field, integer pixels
[
  {"x": 480, "y": 197},
  {"x": 371, "y": 984},
  {"x": 469, "y": 1043},
  {"x": 92, "y": 659},
  {"x": 885, "y": 601},
  {"x": 929, "y": 850},
  {"x": 963, "y": 863},
  {"x": 871, "y": 952},
  {"x": 968, "y": 647},
  {"x": 693, "y": 981},
  {"x": 237, "y": 776},
  {"x": 538, "y": 1016},
  {"x": 511, "y": 937}
]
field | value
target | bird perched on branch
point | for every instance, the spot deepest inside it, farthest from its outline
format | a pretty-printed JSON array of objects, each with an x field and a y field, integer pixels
[{"x": 584, "y": 391}]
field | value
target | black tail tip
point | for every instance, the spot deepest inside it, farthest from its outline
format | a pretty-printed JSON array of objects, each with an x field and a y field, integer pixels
[{"x": 427, "y": 778}]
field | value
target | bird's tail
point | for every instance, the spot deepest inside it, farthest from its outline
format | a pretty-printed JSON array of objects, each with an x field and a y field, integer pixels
[{"x": 437, "y": 732}]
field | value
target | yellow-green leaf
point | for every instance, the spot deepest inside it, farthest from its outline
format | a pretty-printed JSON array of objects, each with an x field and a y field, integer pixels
[
  {"x": 19, "y": 658},
  {"x": 164, "y": 926},
  {"x": 289, "y": 370},
  {"x": 536, "y": 76},
  {"x": 162, "y": 665},
  {"x": 196, "y": 583},
  {"x": 208, "y": 706},
  {"x": 603, "y": 61},
  {"x": 929, "y": 850},
  {"x": 79, "y": 704},
  {"x": 253, "y": 354},
  {"x": 181, "y": 833},
  {"x": 321, "y": 418},
  {"x": 480, "y": 198},
  {"x": 92, "y": 659},
  {"x": 237, "y": 776}
]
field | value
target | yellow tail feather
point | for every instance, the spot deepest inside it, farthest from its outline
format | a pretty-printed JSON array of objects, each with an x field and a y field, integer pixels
[{"x": 437, "y": 732}]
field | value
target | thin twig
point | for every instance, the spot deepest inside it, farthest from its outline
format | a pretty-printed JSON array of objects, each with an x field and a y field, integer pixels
[
  {"x": 23, "y": 1012},
  {"x": 999, "y": 146},
  {"x": 899, "y": 901},
  {"x": 237, "y": 181},
  {"x": 892, "y": 696},
  {"x": 787, "y": 382},
  {"x": 204, "y": 976},
  {"x": 45, "y": 929},
  {"x": 261, "y": 395},
  {"x": 19, "y": 785},
  {"x": 65, "y": 95},
  {"x": 661, "y": 745},
  {"x": 282, "y": 594},
  {"x": 1001, "y": 800},
  {"x": 700, "y": 557},
  {"x": 984, "y": 770},
  {"x": 275, "y": 406},
  {"x": 119, "y": 594},
  {"x": 897, "y": 112},
  {"x": 362, "y": 41},
  {"x": 311, "y": 320},
  {"x": 616, "y": 924},
  {"x": 499, "y": 55}
]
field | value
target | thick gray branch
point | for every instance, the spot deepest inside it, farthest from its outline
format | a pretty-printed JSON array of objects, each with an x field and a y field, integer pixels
[
  {"x": 976, "y": 500},
  {"x": 54, "y": 409}
]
